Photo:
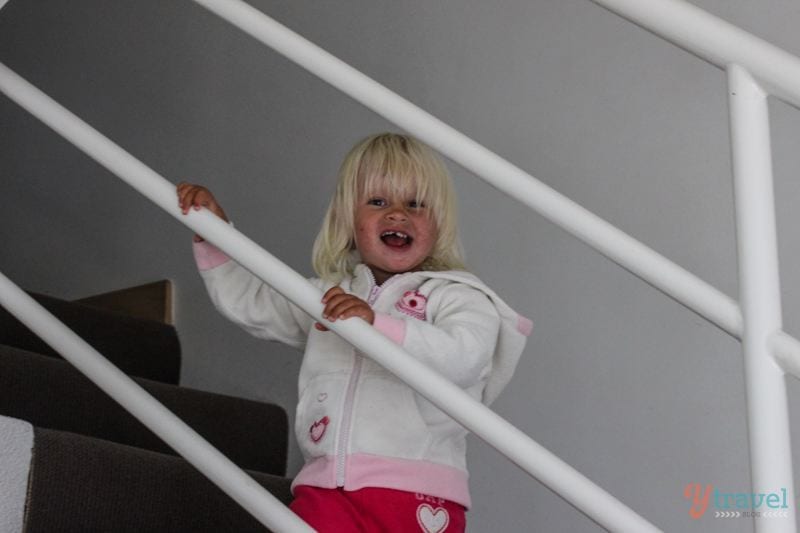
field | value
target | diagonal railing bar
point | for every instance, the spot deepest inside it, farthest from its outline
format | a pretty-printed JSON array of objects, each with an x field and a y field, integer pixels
[
  {"x": 631, "y": 254},
  {"x": 570, "y": 484},
  {"x": 150, "y": 412}
]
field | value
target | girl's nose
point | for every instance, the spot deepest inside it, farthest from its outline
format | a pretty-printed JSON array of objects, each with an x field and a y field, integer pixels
[{"x": 398, "y": 214}]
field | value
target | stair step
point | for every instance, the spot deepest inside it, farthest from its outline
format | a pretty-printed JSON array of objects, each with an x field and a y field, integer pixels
[
  {"x": 50, "y": 393},
  {"x": 152, "y": 301},
  {"x": 80, "y": 484},
  {"x": 143, "y": 348},
  {"x": 16, "y": 446}
]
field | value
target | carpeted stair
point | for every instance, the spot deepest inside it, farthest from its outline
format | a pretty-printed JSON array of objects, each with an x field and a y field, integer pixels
[
  {"x": 93, "y": 467},
  {"x": 143, "y": 348}
]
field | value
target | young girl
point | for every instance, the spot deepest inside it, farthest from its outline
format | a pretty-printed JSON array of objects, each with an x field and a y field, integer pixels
[{"x": 378, "y": 456}]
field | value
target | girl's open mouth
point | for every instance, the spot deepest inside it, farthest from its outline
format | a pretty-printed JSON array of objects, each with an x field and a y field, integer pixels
[{"x": 396, "y": 239}]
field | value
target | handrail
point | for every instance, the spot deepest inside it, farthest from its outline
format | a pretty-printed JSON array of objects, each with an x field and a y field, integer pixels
[
  {"x": 715, "y": 40},
  {"x": 150, "y": 412},
  {"x": 581, "y": 492},
  {"x": 652, "y": 267}
]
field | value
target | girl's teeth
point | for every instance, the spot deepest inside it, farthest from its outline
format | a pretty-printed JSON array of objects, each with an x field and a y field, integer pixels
[
  {"x": 398, "y": 233},
  {"x": 395, "y": 238}
]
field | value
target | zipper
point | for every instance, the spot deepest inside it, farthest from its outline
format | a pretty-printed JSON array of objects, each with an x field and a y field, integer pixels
[
  {"x": 347, "y": 420},
  {"x": 352, "y": 384}
]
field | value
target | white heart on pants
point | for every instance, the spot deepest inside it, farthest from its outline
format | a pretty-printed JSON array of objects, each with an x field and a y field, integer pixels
[{"x": 430, "y": 520}]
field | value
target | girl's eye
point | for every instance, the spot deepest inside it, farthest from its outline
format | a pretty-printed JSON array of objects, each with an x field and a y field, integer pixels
[
  {"x": 413, "y": 204},
  {"x": 380, "y": 202}
]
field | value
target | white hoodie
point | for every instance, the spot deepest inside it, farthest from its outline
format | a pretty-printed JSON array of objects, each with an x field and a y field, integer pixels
[{"x": 357, "y": 424}]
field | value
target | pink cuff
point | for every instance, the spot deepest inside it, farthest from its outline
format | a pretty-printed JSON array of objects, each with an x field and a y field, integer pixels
[
  {"x": 392, "y": 327},
  {"x": 208, "y": 256},
  {"x": 524, "y": 325}
]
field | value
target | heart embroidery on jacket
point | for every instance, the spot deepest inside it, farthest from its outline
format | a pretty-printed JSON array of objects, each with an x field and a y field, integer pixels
[
  {"x": 413, "y": 304},
  {"x": 430, "y": 520},
  {"x": 317, "y": 430}
]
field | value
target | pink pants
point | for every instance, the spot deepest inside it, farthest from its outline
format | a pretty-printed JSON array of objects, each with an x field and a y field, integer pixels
[{"x": 376, "y": 510}]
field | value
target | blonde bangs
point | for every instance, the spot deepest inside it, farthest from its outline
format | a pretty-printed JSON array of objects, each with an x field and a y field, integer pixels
[{"x": 400, "y": 174}]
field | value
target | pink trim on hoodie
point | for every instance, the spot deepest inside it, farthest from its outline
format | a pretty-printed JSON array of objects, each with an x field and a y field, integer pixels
[
  {"x": 524, "y": 325},
  {"x": 392, "y": 327},
  {"x": 364, "y": 470},
  {"x": 208, "y": 256}
]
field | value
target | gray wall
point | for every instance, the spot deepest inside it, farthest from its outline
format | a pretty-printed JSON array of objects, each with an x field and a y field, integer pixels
[{"x": 629, "y": 387}]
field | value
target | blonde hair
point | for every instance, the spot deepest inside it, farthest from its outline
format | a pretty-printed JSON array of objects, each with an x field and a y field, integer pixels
[{"x": 405, "y": 166}]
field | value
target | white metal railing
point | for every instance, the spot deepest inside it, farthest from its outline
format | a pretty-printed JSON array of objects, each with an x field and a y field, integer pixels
[
  {"x": 641, "y": 260},
  {"x": 610, "y": 241},
  {"x": 522, "y": 450},
  {"x": 743, "y": 55},
  {"x": 755, "y": 69}
]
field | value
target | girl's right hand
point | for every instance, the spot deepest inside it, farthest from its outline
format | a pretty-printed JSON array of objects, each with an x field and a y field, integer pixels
[{"x": 196, "y": 196}]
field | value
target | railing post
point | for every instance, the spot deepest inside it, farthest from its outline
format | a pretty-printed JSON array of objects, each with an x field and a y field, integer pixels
[{"x": 759, "y": 295}]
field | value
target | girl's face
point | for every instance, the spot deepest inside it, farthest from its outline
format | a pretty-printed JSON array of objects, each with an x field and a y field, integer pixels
[{"x": 393, "y": 234}]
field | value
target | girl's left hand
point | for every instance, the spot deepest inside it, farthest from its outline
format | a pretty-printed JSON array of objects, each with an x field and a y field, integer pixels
[{"x": 340, "y": 305}]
